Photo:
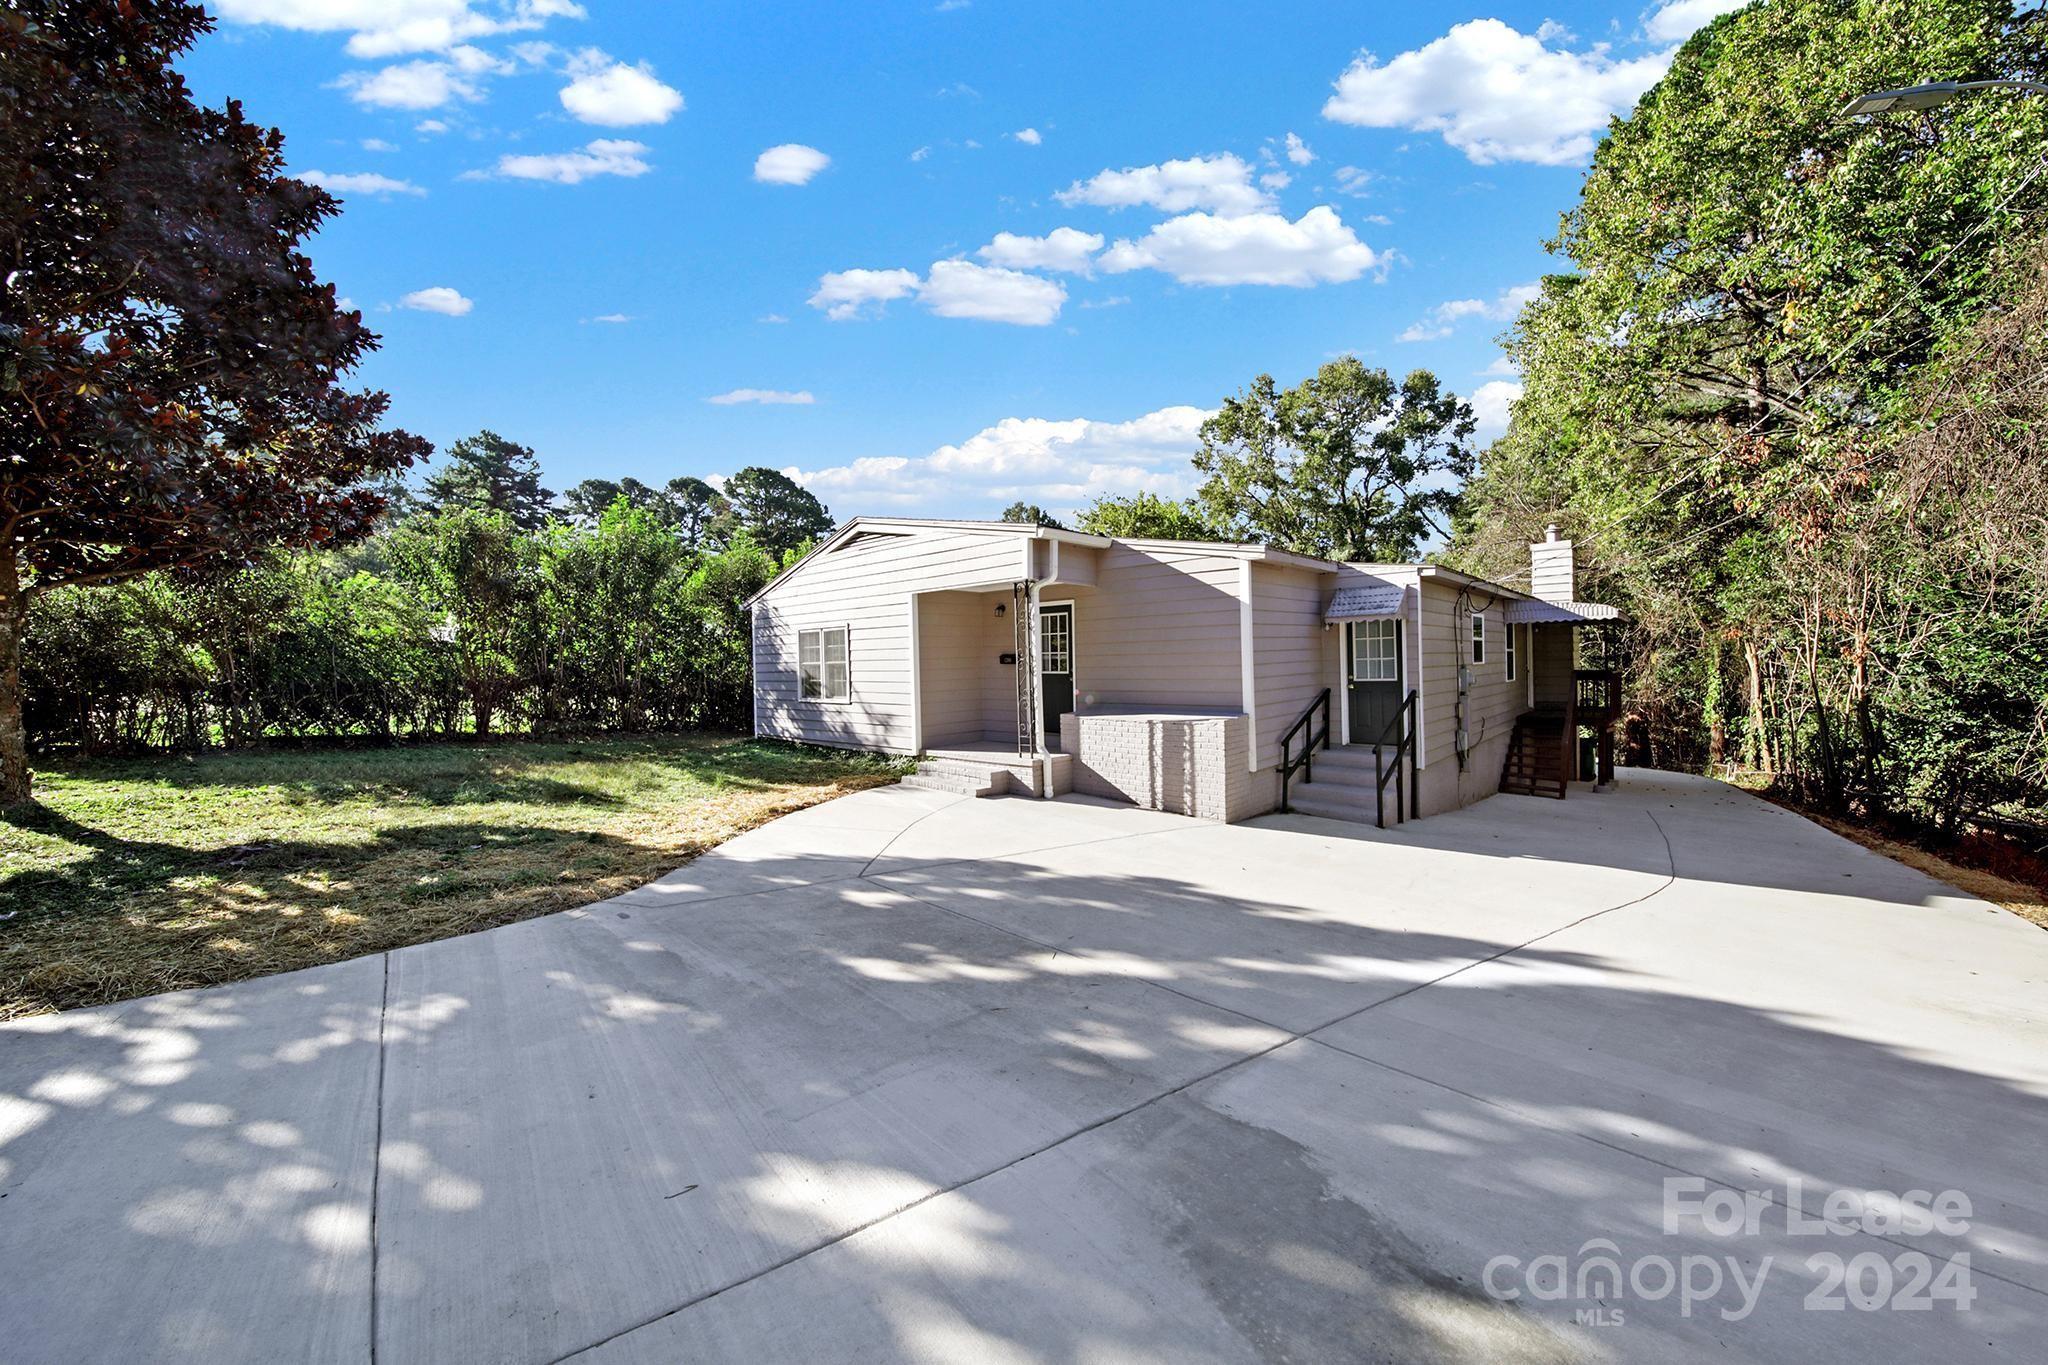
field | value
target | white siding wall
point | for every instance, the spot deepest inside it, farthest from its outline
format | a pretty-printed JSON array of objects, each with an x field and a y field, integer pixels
[
  {"x": 866, "y": 586},
  {"x": 1160, "y": 626},
  {"x": 1491, "y": 705},
  {"x": 1291, "y": 653}
]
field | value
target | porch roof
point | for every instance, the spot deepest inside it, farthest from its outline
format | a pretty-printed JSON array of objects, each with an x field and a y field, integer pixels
[
  {"x": 1539, "y": 613},
  {"x": 1365, "y": 601}
]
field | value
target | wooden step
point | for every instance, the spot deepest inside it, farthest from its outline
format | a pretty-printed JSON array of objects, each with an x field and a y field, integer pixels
[{"x": 1536, "y": 763}]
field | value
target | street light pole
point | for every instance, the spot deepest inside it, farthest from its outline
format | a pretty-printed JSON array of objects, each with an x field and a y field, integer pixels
[{"x": 1933, "y": 93}]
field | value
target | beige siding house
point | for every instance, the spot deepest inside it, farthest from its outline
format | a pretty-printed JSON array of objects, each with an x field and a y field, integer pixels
[{"x": 1223, "y": 681}]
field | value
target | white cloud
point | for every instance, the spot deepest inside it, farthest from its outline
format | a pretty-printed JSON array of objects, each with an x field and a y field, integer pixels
[
  {"x": 920, "y": 154},
  {"x": 790, "y": 164},
  {"x": 962, "y": 289},
  {"x": 849, "y": 294},
  {"x": 438, "y": 298},
  {"x": 378, "y": 144},
  {"x": 1029, "y": 136},
  {"x": 430, "y": 126},
  {"x": 772, "y": 319},
  {"x": 364, "y": 182},
  {"x": 612, "y": 319},
  {"x": 1496, "y": 93},
  {"x": 1354, "y": 182},
  {"x": 605, "y": 156},
  {"x": 1503, "y": 366},
  {"x": 1264, "y": 248},
  {"x": 1492, "y": 405},
  {"x": 1680, "y": 19},
  {"x": 1297, "y": 150},
  {"x": 1276, "y": 180},
  {"x": 427, "y": 83},
  {"x": 1059, "y": 464},
  {"x": 614, "y": 95},
  {"x": 1065, "y": 249},
  {"x": 1445, "y": 317},
  {"x": 1220, "y": 183},
  {"x": 389, "y": 28},
  {"x": 772, "y": 397}
]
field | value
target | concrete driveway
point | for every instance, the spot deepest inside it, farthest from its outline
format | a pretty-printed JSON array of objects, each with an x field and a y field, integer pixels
[{"x": 911, "y": 1077}]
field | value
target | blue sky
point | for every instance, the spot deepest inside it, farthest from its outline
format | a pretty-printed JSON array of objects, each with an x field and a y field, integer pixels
[{"x": 654, "y": 240}]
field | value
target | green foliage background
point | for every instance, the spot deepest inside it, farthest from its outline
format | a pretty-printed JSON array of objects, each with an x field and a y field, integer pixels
[
  {"x": 1785, "y": 401},
  {"x": 455, "y": 621}
]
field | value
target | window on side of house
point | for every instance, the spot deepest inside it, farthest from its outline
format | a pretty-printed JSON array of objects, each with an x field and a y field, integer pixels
[
  {"x": 1478, "y": 637},
  {"x": 1514, "y": 657},
  {"x": 821, "y": 664}
]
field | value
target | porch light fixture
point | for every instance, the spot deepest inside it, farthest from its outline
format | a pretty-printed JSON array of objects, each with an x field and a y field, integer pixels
[
  {"x": 1000, "y": 609},
  {"x": 1928, "y": 95}
]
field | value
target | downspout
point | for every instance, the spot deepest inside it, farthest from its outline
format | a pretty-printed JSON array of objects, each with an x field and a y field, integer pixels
[
  {"x": 1041, "y": 758},
  {"x": 1421, "y": 675},
  {"x": 1248, "y": 680}
]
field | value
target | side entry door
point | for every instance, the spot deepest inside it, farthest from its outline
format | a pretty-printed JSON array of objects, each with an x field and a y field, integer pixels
[{"x": 1373, "y": 674}]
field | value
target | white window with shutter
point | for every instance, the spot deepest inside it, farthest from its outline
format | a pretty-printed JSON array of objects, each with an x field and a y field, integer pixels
[
  {"x": 1478, "y": 637},
  {"x": 821, "y": 664}
]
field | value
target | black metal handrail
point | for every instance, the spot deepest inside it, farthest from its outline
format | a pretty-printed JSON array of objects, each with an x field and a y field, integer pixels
[
  {"x": 1402, "y": 720},
  {"x": 1289, "y": 761}
]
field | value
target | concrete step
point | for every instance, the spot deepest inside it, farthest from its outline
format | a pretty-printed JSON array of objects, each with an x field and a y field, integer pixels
[
  {"x": 1354, "y": 779},
  {"x": 1351, "y": 755},
  {"x": 956, "y": 783},
  {"x": 1331, "y": 805},
  {"x": 961, "y": 767}
]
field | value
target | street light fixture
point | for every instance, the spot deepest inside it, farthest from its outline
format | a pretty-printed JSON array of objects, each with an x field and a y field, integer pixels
[{"x": 1928, "y": 95}]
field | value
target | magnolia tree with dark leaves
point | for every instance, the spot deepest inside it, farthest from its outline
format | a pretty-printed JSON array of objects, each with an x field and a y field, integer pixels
[{"x": 169, "y": 365}]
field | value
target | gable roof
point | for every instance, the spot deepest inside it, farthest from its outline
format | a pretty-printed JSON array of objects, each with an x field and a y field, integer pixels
[{"x": 1521, "y": 606}]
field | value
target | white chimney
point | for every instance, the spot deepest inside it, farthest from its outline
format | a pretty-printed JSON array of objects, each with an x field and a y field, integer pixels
[{"x": 1550, "y": 568}]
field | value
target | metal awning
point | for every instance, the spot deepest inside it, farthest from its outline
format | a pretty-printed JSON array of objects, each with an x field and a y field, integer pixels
[
  {"x": 1366, "y": 601},
  {"x": 1537, "y": 613}
]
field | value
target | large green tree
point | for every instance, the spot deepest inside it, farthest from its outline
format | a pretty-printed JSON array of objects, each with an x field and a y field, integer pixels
[
  {"x": 694, "y": 507},
  {"x": 1348, "y": 464},
  {"x": 1718, "y": 388},
  {"x": 1030, "y": 514},
  {"x": 170, "y": 367},
  {"x": 775, "y": 511},
  {"x": 488, "y": 473}
]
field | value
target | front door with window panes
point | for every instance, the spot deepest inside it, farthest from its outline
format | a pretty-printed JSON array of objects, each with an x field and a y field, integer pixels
[
  {"x": 1373, "y": 674},
  {"x": 1056, "y": 662}
]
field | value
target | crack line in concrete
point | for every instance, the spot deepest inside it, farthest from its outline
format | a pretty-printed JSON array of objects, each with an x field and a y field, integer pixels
[
  {"x": 1291, "y": 1036},
  {"x": 377, "y": 1152},
  {"x": 879, "y": 853}
]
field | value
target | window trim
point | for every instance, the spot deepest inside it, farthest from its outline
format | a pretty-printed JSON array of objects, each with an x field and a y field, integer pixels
[
  {"x": 1513, "y": 653},
  {"x": 823, "y": 665},
  {"x": 1478, "y": 638}
]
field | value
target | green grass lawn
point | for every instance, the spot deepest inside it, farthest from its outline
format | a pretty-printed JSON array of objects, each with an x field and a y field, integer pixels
[{"x": 132, "y": 877}]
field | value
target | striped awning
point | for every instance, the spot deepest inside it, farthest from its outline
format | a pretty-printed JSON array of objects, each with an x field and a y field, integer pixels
[
  {"x": 1538, "y": 613},
  {"x": 1365, "y": 601}
]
